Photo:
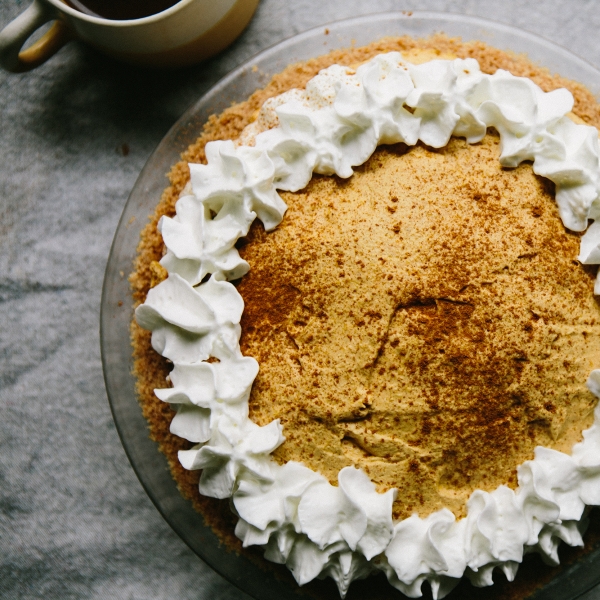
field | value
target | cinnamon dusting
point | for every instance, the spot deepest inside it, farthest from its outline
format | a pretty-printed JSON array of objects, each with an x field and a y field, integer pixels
[{"x": 433, "y": 346}]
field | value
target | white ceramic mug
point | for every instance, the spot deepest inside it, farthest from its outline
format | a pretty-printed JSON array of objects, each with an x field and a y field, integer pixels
[{"x": 186, "y": 33}]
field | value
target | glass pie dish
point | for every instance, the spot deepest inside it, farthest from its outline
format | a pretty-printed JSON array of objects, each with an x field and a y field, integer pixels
[{"x": 117, "y": 305}]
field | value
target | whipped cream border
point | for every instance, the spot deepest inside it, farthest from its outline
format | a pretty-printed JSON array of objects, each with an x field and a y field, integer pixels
[{"x": 296, "y": 515}]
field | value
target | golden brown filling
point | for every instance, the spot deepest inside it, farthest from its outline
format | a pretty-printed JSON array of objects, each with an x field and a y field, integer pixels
[{"x": 424, "y": 320}]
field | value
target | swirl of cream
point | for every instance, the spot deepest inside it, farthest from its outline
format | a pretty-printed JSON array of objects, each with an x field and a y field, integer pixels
[
  {"x": 198, "y": 244},
  {"x": 552, "y": 534},
  {"x": 190, "y": 324},
  {"x": 353, "y": 512},
  {"x": 429, "y": 549},
  {"x": 299, "y": 518},
  {"x": 570, "y": 160},
  {"x": 205, "y": 391},
  {"x": 495, "y": 526},
  {"x": 233, "y": 448},
  {"x": 440, "y": 100},
  {"x": 266, "y": 508},
  {"x": 228, "y": 193},
  {"x": 553, "y": 477}
]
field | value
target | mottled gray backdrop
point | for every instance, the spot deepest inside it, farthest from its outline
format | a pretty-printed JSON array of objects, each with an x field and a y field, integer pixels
[{"x": 74, "y": 134}]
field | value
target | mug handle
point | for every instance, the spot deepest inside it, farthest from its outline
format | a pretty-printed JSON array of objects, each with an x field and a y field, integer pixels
[{"x": 16, "y": 33}]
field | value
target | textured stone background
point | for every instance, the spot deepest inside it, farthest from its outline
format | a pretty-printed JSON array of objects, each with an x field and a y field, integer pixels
[{"x": 74, "y": 521}]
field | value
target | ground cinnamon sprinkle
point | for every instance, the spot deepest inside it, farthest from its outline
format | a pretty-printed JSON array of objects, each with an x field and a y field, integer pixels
[{"x": 431, "y": 302}]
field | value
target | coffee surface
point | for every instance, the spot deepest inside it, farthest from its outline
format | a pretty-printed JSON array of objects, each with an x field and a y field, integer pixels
[
  {"x": 120, "y": 10},
  {"x": 425, "y": 320}
]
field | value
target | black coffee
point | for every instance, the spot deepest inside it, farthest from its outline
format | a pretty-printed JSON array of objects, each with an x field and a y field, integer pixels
[{"x": 120, "y": 10}]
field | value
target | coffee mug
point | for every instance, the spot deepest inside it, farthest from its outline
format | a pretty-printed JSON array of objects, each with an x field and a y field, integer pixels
[{"x": 186, "y": 33}]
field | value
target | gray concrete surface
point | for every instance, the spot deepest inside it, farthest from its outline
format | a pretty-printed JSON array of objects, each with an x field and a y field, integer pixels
[{"x": 74, "y": 134}]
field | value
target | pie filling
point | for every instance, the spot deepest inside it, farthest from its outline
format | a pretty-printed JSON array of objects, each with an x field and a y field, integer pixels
[{"x": 424, "y": 321}]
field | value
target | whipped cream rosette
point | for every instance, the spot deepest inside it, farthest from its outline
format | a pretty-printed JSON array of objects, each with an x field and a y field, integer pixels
[{"x": 296, "y": 515}]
